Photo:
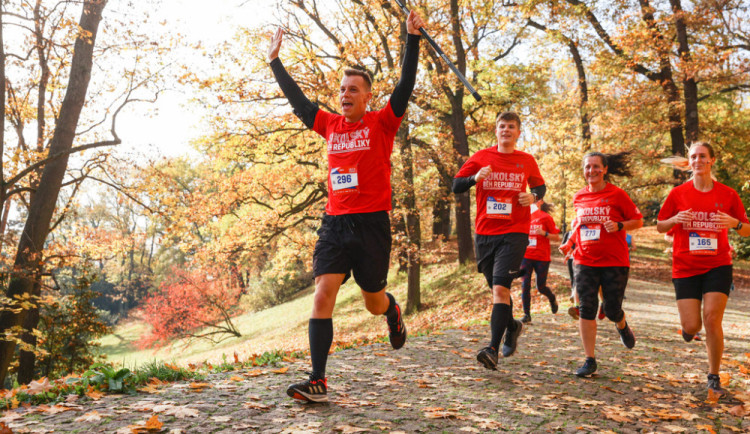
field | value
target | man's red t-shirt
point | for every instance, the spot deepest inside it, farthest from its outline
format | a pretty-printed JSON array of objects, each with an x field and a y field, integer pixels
[
  {"x": 595, "y": 247},
  {"x": 498, "y": 209},
  {"x": 538, "y": 248},
  {"x": 701, "y": 245},
  {"x": 359, "y": 160}
]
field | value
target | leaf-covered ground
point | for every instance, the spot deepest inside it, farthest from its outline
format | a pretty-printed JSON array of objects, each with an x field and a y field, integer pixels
[{"x": 434, "y": 384}]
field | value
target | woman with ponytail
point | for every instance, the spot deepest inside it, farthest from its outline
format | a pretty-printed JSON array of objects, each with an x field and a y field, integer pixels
[{"x": 604, "y": 212}]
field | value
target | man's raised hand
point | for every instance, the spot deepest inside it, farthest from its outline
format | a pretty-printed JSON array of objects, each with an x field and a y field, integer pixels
[
  {"x": 414, "y": 23},
  {"x": 273, "y": 49}
]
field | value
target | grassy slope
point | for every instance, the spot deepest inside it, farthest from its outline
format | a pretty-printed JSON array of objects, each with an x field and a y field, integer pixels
[{"x": 451, "y": 296}]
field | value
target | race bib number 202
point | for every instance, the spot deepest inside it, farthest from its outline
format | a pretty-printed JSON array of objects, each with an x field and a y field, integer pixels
[{"x": 499, "y": 208}]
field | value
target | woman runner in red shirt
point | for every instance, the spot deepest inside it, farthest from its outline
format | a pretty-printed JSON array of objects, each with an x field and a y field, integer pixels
[
  {"x": 699, "y": 213},
  {"x": 603, "y": 213}
]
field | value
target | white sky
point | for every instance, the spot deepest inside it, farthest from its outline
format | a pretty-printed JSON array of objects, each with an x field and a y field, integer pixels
[{"x": 167, "y": 127}]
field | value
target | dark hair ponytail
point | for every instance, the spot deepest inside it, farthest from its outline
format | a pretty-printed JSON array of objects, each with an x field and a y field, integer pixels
[
  {"x": 617, "y": 164},
  {"x": 546, "y": 207}
]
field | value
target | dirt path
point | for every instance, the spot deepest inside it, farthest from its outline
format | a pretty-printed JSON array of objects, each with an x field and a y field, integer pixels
[{"x": 435, "y": 385}]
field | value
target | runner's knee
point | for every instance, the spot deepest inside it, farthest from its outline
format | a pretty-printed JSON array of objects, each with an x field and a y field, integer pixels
[{"x": 613, "y": 311}]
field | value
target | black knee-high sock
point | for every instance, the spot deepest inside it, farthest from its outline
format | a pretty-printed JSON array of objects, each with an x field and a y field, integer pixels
[
  {"x": 511, "y": 323},
  {"x": 498, "y": 323},
  {"x": 391, "y": 313},
  {"x": 320, "y": 331}
]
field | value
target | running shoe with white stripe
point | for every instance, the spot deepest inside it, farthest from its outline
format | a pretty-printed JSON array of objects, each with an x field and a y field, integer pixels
[{"x": 312, "y": 390}]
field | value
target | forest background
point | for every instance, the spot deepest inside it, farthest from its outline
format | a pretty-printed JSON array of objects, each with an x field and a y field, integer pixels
[{"x": 91, "y": 236}]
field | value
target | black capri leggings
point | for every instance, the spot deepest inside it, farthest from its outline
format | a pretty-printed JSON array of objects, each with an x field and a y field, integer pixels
[{"x": 613, "y": 281}]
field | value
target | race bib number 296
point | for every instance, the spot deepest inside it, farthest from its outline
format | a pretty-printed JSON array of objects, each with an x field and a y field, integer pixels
[{"x": 344, "y": 179}]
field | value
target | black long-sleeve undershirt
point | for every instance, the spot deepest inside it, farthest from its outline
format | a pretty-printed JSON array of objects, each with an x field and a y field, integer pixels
[
  {"x": 463, "y": 184},
  {"x": 306, "y": 110},
  {"x": 405, "y": 85}
]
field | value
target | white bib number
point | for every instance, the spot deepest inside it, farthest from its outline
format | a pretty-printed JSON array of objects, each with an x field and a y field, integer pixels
[
  {"x": 703, "y": 243},
  {"x": 499, "y": 208},
  {"x": 344, "y": 179},
  {"x": 590, "y": 233},
  {"x": 532, "y": 241}
]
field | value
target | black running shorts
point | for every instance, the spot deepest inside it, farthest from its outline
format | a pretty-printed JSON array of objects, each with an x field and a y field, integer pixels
[
  {"x": 718, "y": 279},
  {"x": 355, "y": 244},
  {"x": 499, "y": 257},
  {"x": 613, "y": 281}
]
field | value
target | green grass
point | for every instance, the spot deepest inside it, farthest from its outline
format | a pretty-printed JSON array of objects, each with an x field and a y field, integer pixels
[{"x": 278, "y": 327}]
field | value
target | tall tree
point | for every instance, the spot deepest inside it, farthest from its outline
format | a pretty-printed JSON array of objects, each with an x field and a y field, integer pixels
[{"x": 26, "y": 273}]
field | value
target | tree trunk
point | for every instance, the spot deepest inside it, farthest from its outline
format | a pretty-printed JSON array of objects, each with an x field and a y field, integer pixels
[
  {"x": 583, "y": 90},
  {"x": 690, "y": 87},
  {"x": 441, "y": 213},
  {"x": 460, "y": 144},
  {"x": 463, "y": 200},
  {"x": 411, "y": 219},
  {"x": 28, "y": 263},
  {"x": 27, "y": 359}
]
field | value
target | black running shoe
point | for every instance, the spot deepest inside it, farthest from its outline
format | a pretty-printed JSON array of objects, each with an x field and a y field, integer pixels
[
  {"x": 553, "y": 304},
  {"x": 511, "y": 339},
  {"x": 312, "y": 390},
  {"x": 714, "y": 385},
  {"x": 588, "y": 368},
  {"x": 626, "y": 336},
  {"x": 526, "y": 318},
  {"x": 397, "y": 331},
  {"x": 488, "y": 358},
  {"x": 687, "y": 336}
]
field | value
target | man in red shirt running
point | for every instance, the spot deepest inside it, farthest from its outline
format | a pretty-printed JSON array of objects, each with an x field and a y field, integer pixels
[
  {"x": 355, "y": 234},
  {"x": 501, "y": 174}
]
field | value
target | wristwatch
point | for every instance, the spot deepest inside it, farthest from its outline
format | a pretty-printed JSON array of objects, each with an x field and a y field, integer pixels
[
  {"x": 620, "y": 226},
  {"x": 739, "y": 225}
]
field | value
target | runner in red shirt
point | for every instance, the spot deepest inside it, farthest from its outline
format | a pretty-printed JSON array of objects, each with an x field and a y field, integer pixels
[
  {"x": 355, "y": 234},
  {"x": 501, "y": 174},
  {"x": 699, "y": 214},
  {"x": 537, "y": 258},
  {"x": 603, "y": 213}
]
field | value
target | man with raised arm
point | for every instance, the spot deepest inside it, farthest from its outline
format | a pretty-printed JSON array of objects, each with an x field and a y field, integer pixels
[
  {"x": 501, "y": 173},
  {"x": 355, "y": 234}
]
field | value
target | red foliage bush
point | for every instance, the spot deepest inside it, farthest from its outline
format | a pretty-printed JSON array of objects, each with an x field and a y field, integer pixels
[{"x": 190, "y": 305}]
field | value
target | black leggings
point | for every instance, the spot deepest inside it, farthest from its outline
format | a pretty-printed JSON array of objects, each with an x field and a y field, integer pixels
[
  {"x": 613, "y": 281},
  {"x": 541, "y": 268}
]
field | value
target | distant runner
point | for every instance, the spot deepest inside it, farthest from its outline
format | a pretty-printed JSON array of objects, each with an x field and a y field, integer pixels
[{"x": 538, "y": 257}]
